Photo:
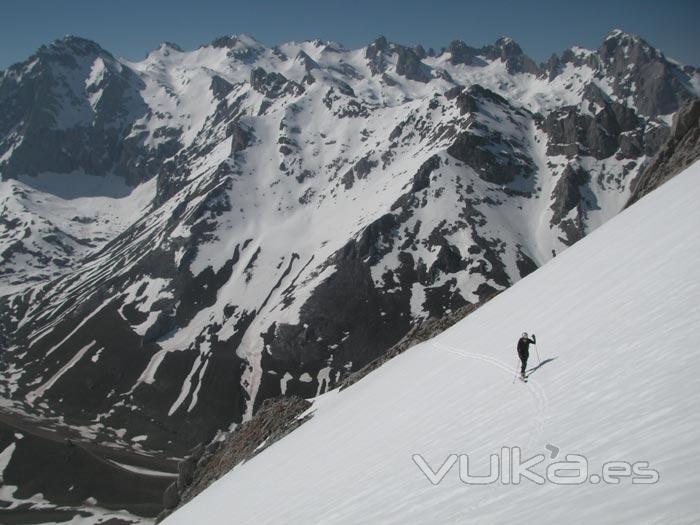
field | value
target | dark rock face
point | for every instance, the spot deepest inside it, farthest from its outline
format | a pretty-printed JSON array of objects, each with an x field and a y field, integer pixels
[
  {"x": 552, "y": 68},
  {"x": 612, "y": 127},
  {"x": 615, "y": 117},
  {"x": 220, "y": 87},
  {"x": 463, "y": 54},
  {"x": 408, "y": 63},
  {"x": 680, "y": 151},
  {"x": 410, "y": 66},
  {"x": 475, "y": 151},
  {"x": 273, "y": 85},
  {"x": 657, "y": 87},
  {"x": 241, "y": 137},
  {"x": 510, "y": 53},
  {"x": 421, "y": 180},
  {"x": 238, "y": 48},
  {"x": 572, "y": 133},
  {"x": 309, "y": 63},
  {"x": 357, "y": 321},
  {"x": 504, "y": 49},
  {"x": 496, "y": 159},
  {"x": 359, "y": 171},
  {"x": 375, "y": 55},
  {"x": 567, "y": 193},
  {"x": 224, "y": 41},
  {"x": 636, "y": 70},
  {"x": 37, "y": 100},
  {"x": 468, "y": 100}
]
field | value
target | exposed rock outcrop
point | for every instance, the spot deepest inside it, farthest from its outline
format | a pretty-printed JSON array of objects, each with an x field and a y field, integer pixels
[
  {"x": 680, "y": 151},
  {"x": 275, "y": 419}
]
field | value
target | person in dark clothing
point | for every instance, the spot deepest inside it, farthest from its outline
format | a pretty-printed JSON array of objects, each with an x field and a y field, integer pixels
[{"x": 524, "y": 350}]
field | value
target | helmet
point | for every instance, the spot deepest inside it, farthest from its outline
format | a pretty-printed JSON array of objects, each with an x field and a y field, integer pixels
[{"x": 525, "y": 335}]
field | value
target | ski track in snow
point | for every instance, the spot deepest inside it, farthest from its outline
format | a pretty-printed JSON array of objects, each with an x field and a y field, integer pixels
[{"x": 535, "y": 389}]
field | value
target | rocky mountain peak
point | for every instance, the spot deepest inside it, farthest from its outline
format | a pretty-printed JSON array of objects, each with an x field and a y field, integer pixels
[
  {"x": 640, "y": 71},
  {"x": 408, "y": 60},
  {"x": 377, "y": 55},
  {"x": 308, "y": 62},
  {"x": 409, "y": 65},
  {"x": 172, "y": 45},
  {"x": 224, "y": 41},
  {"x": 627, "y": 48},
  {"x": 619, "y": 35},
  {"x": 165, "y": 49},
  {"x": 508, "y": 46},
  {"x": 461, "y": 53},
  {"x": 240, "y": 43},
  {"x": 168, "y": 47},
  {"x": 379, "y": 44},
  {"x": 75, "y": 45},
  {"x": 243, "y": 48},
  {"x": 69, "y": 52},
  {"x": 507, "y": 50}
]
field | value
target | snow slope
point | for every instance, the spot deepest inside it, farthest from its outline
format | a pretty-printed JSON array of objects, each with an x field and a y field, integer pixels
[{"x": 618, "y": 320}]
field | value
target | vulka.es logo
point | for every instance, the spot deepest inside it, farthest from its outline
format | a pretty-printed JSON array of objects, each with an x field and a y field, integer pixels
[{"x": 509, "y": 467}]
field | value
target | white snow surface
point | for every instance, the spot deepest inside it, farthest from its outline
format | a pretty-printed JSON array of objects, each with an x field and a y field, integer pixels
[{"x": 617, "y": 319}]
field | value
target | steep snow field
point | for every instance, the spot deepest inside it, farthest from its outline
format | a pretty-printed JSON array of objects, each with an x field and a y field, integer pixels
[{"x": 617, "y": 317}]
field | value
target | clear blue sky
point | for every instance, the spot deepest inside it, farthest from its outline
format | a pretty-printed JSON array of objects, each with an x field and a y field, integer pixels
[{"x": 130, "y": 29}]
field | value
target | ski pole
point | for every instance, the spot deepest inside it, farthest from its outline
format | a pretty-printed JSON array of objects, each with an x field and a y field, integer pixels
[{"x": 539, "y": 361}]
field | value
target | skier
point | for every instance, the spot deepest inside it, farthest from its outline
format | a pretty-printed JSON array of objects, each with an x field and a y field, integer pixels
[{"x": 523, "y": 350}]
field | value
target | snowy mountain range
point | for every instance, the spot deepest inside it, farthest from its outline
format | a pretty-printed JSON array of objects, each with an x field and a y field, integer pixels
[
  {"x": 186, "y": 236},
  {"x": 605, "y": 427}
]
